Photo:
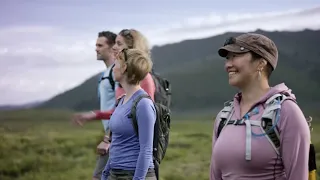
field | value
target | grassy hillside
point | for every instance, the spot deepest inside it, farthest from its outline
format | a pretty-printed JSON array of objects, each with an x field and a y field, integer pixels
[
  {"x": 197, "y": 74},
  {"x": 37, "y": 145}
]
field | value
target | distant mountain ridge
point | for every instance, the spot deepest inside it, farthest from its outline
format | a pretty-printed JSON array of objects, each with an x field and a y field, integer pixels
[
  {"x": 199, "y": 80},
  {"x": 19, "y": 107}
]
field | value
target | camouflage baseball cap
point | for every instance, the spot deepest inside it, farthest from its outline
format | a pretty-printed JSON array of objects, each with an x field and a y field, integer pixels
[{"x": 253, "y": 42}]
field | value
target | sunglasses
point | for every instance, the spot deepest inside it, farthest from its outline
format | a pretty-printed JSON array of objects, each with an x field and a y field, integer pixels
[
  {"x": 126, "y": 32},
  {"x": 230, "y": 40},
  {"x": 124, "y": 51}
]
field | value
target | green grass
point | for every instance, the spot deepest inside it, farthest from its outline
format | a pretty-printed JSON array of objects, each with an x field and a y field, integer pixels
[{"x": 38, "y": 145}]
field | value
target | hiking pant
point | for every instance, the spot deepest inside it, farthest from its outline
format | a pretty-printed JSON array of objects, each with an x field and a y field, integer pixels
[
  {"x": 100, "y": 165},
  {"x": 118, "y": 174}
]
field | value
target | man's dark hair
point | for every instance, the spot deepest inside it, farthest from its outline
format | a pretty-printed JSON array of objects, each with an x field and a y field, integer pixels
[{"x": 110, "y": 36}]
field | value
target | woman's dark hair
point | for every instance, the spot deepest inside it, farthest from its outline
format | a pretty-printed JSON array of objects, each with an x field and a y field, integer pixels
[{"x": 268, "y": 69}]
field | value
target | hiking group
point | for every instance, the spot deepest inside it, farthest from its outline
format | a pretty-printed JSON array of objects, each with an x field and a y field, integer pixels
[{"x": 260, "y": 134}]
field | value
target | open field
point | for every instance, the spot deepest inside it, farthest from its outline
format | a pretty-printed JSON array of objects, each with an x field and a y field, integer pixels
[{"x": 44, "y": 145}]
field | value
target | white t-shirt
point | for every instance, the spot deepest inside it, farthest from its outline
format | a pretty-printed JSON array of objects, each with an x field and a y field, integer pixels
[{"x": 107, "y": 96}]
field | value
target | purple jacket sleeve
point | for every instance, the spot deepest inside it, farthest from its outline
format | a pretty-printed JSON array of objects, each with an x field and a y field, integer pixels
[
  {"x": 146, "y": 117},
  {"x": 295, "y": 141},
  {"x": 106, "y": 171},
  {"x": 215, "y": 174}
]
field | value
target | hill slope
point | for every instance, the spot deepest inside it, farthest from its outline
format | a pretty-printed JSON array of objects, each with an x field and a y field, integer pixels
[{"x": 198, "y": 78}]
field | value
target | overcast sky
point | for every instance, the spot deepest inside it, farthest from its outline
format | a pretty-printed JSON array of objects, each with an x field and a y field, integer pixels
[{"x": 47, "y": 46}]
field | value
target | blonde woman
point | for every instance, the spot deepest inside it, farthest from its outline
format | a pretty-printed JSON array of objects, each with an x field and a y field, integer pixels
[
  {"x": 128, "y": 39},
  {"x": 130, "y": 156}
]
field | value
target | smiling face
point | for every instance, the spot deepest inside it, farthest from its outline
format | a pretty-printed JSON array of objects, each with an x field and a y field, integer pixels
[{"x": 241, "y": 69}]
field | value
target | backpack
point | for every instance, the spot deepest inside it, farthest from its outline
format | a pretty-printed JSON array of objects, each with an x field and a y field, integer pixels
[
  {"x": 161, "y": 129},
  {"x": 162, "y": 104},
  {"x": 268, "y": 123},
  {"x": 110, "y": 78},
  {"x": 162, "y": 94}
]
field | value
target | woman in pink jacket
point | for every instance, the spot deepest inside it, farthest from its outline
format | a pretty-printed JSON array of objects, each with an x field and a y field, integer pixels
[{"x": 261, "y": 134}]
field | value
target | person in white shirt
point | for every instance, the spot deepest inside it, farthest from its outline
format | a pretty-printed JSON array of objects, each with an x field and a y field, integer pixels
[{"x": 106, "y": 93}]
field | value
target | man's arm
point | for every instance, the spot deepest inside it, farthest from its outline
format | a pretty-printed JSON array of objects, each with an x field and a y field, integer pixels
[
  {"x": 147, "y": 84},
  {"x": 82, "y": 118},
  {"x": 98, "y": 115}
]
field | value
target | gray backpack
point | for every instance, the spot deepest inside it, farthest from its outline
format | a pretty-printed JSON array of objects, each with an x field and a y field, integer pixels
[{"x": 268, "y": 124}]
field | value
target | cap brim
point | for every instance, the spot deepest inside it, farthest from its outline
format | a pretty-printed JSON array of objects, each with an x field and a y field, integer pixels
[{"x": 223, "y": 51}]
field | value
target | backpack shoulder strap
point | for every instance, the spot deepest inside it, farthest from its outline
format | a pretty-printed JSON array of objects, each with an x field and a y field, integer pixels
[
  {"x": 110, "y": 77},
  {"x": 133, "y": 112},
  {"x": 224, "y": 116},
  {"x": 270, "y": 119},
  {"x": 116, "y": 104},
  {"x": 119, "y": 99}
]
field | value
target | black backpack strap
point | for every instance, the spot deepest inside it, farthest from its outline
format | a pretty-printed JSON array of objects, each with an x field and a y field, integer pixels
[
  {"x": 119, "y": 99},
  {"x": 132, "y": 115},
  {"x": 156, "y": 168},
  {"x": 116, "y": 104},
  {"x": 220, "y": 127},
  {"x": 225, "y": 115},
  {"x": 312, "y": 158},
  {"x": 133, "y": 112},
  {"x": 110, "y": 77}
]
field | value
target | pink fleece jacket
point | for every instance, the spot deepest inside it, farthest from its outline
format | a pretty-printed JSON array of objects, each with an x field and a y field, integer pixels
[{"x": 228, "y": 151}]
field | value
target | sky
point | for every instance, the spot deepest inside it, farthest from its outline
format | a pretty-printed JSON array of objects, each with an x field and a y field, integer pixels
[{"x": 48, "y": 46}]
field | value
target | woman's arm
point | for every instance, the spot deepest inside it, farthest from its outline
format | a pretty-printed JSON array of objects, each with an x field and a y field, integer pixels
[
  {"x": 146, "y": 117},
  {"x": 215, "y": 174},
  {"x": 106, "y": 171},
  {"x": 294, "y": 140}
]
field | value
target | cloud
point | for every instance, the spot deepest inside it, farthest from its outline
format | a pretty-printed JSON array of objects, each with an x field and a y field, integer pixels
[
  {"x": 215, "y": 24},
  {"x": 37, "y": 62},
  {"x": 23, "y": 85}
]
